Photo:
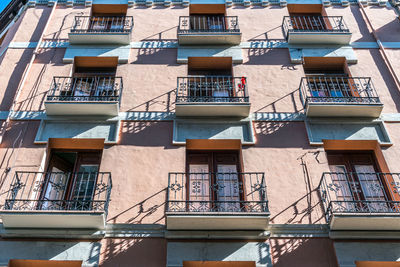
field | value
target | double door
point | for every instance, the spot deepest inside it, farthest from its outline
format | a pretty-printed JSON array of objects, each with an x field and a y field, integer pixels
[
  {"x": 70, "y": 181},
  {"x": 214, "y": 181},
  {"x": 358, "y": 184}
]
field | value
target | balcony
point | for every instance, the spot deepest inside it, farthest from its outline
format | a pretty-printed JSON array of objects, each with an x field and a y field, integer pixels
[
  {"x": 47, "y": 200},
  {"x": 217, "y": 201},
  {"x": 101, "y": 30},
  {"x": 212, "y": 96},
  {"x": 316, "y": 30},
  {"x": 209, "y": 30},
  {"x": 340, "y": 96},
  {"x": 361, "y": 201},
  {"x": 92, "y": 95}
]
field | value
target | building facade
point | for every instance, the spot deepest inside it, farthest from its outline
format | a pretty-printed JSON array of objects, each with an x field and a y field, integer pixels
[{"x": 200, "y": 133}]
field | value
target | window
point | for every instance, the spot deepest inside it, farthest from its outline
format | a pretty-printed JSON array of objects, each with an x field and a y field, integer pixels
[
  {"x": 210, "y": 78},
  {"x": 214, "y": 181},
  {"x": 93, "y": 79},
  {"x": 357, "y": 181},
  {"x": 70, "y": 180},
  {"x": 329, "y": 78}
]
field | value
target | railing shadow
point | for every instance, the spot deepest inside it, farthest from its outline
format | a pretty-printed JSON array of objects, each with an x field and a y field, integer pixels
[
  {"x": 149, "y": 252},
  {"x": 147, "y": 134},
  {"x": 141, "y": 210},
  {"x": 154, "y": 54},
  {"x": 303, "y": 252},
  {"x": 294, "y": 98},
  {"x": 164, "y": 103}
]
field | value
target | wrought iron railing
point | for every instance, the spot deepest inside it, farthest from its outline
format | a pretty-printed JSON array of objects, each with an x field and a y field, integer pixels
[
  {"x": 338, "y": 89},
  {"x": 87, "y": 89},
  {"x": 59, "y": 191},
  {"x": 319, "y": 24},
  {"x": 95, "y": 24},
  {"x": 217, "y": 192},
  {"x": 212, "y": 89},
  {"x": 360, "y": 192},
  {"x": 208, "y": 24}
]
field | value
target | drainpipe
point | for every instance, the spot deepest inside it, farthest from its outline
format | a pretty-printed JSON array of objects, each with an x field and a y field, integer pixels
[
  {"x": 381, "y": 48},
  {"x": 25, "y": 75}
]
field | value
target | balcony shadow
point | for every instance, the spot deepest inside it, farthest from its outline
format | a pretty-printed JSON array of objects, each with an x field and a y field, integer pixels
[
  {"x": 149, "y": 252},
  {"x": 294, "y": 98},
  {"x": 389, "y": 32},
  {"x": 161, "y": 103},
  {"x": 303, "y": 252},
  {"x": 264, "y": 37},
  {"x": 269, "y": 56},
  {"x": 386, "y": 77},
  {"x": 141, "y": 210},
  {"x": 158, "y": 37},
  {"x": 154, "y": 55},
  {"x": 22, "y": 63},
  {"x": 138, "y": 133},
  {"x": 308, "y": 208},
  {"x": 279, "y": 134},
  {"x": 362, "y": 26},
  {"x": 78, "y": 11},
  {"x": 34, "y": 101}
]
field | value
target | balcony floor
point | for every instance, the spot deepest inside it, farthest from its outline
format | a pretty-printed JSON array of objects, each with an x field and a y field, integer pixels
[
  {"x": 365, "y": 221},
  {"x": 343, "y": 110},
  {"x": 53, "y": 219}
]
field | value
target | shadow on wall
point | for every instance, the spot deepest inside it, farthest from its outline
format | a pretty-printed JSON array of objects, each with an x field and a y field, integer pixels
[
  {"x": 16, "y": 136},
  {"x": 270, "y": 56},
  {"x": 303, "y": 252},
  {"x": 366, "y": 35},
  {"x": 281, "y": 104},
  {"x": 389, "y": 32},
  {"x": 21, "y": 64},
  {"x": 140, "y": 211},
  {"x": 36, "y": 96},
  {"x": 161, "y": 103},
  {"x": 156, "y": 54},
  {"x": 307, "y": 209},
  {"x": 45, "y": 56},
  {"x": 280, "y": 134},
  {"x": 139, "y": 133},
  {"x": 55, "y": 36},
  {"x": 386, "y": 77},
  {"x": 148, "y": 252}
]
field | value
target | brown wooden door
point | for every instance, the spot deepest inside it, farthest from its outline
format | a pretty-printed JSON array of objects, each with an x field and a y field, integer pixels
[
  {"x": 214, "y": 181},
  {"x": 56, "y": 181},
  {"x": 84, "y": 181},
  {"x": 70, "y": 180},
  {"x": 357, "y": 176}
]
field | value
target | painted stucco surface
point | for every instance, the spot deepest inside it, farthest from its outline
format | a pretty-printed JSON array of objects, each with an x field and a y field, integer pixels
[
  {"x": 365, "y": 251},
  {"x": 144, "y": 156},
  {"x": 302, "y": 252},
  {"x": 149, "y": 252}
]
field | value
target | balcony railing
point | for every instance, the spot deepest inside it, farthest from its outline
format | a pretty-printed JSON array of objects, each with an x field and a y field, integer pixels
[
  {"x": 212, "y": 89},
  {"x": 58, "y": 191},
  {"x": 208, "y": 24},
  {"x": 216, "y": 193},
  {"x": 338, "y": 90},
  {"x": 359, "y": 192},
  {"x": 86, "y": 89},
  {"x": 316, "y": 24},
  {"x": 94, "y": 24}
]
